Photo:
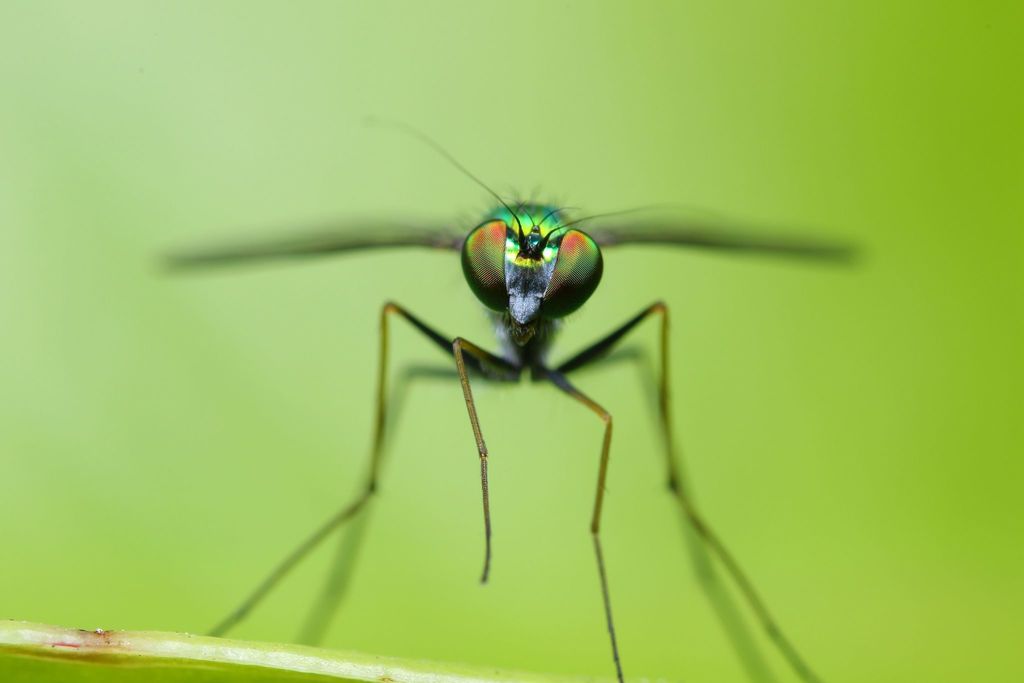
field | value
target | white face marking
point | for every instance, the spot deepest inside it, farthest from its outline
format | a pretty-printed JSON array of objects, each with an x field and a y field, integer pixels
[
  {"x": 524, "y": 307},
  {"x": 526, "y": 286}
]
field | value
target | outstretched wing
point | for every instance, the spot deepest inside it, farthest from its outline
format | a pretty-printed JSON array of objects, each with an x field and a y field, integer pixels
[
  {"x": 717, "y": 235},
  {"x": 330, "y": 239}
]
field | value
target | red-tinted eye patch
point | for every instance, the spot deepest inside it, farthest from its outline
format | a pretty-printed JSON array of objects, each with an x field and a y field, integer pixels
[
  {"x": 577, "y": 273},
  {"x": 483, "y": 263}
]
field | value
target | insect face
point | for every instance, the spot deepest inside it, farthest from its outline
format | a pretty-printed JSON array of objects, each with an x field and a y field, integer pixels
[{"x": 545, "y": 271}]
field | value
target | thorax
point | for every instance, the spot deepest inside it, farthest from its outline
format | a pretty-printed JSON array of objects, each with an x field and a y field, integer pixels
[{"x": 533, "y": 354}]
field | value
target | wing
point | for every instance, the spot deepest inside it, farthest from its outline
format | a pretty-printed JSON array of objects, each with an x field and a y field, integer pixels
[
  {"x": 330, "y": 239},
  {"x": 716, "y": 235}
]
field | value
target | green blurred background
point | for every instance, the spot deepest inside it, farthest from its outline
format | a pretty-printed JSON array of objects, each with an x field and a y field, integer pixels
[{"x": 854, "y": 434}]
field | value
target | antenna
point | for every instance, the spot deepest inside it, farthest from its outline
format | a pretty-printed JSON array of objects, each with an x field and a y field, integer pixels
[{"x": 433, "y": 144}]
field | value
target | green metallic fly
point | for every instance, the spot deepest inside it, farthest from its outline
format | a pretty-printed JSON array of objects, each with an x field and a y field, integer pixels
[{"x": 530, "y": 265}]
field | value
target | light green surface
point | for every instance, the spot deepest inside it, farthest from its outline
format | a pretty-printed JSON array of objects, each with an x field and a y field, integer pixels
[
  {"x": 35, "y": 652},
  {"x": 854, "y": 435}
]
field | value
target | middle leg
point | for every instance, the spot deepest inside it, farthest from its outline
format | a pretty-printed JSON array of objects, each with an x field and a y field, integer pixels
[
  {"x": 684, "y": 498},
  {"x": 492, "y": 365}
]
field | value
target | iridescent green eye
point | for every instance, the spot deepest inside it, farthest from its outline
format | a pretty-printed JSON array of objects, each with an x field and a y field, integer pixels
[
  {"x": 483, "y": 263},
  {"x": 577, "y": 273}
]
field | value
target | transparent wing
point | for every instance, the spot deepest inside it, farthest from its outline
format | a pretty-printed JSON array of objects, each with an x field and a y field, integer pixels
[
  {"x": 323, "y": 241},
  {"x": 717, "y": 235}
]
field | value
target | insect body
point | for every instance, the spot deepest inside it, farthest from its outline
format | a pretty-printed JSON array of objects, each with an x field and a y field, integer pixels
[{"x": 530, "y": 267}]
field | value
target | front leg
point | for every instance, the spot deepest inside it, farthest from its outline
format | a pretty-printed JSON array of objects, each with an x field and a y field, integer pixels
[
  {"x": 469, "y": 355},
  {"x": 461, "y": 348},
  {"x": 562, "y": 382}
]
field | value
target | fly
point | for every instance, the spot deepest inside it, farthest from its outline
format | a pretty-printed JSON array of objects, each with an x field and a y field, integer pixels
[{"x": 531, "y": 265}]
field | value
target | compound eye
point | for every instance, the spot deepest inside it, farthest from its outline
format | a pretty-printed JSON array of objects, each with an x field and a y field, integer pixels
[
  {"x": 578, "y": 268},
  {"x": 483, "y": 263}
]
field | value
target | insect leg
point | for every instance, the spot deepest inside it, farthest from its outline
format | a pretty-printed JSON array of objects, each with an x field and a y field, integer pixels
[
  {"x": 560, "y": 381},
  {"x": 680, "y": 492},
  {"x": 335, "y": 587},
  {"x": 601, "y": 347},
  {"x": 368, "y": 489},
  {"x": 464, "y": 350},
  {"x": 468, "y": 354}
]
